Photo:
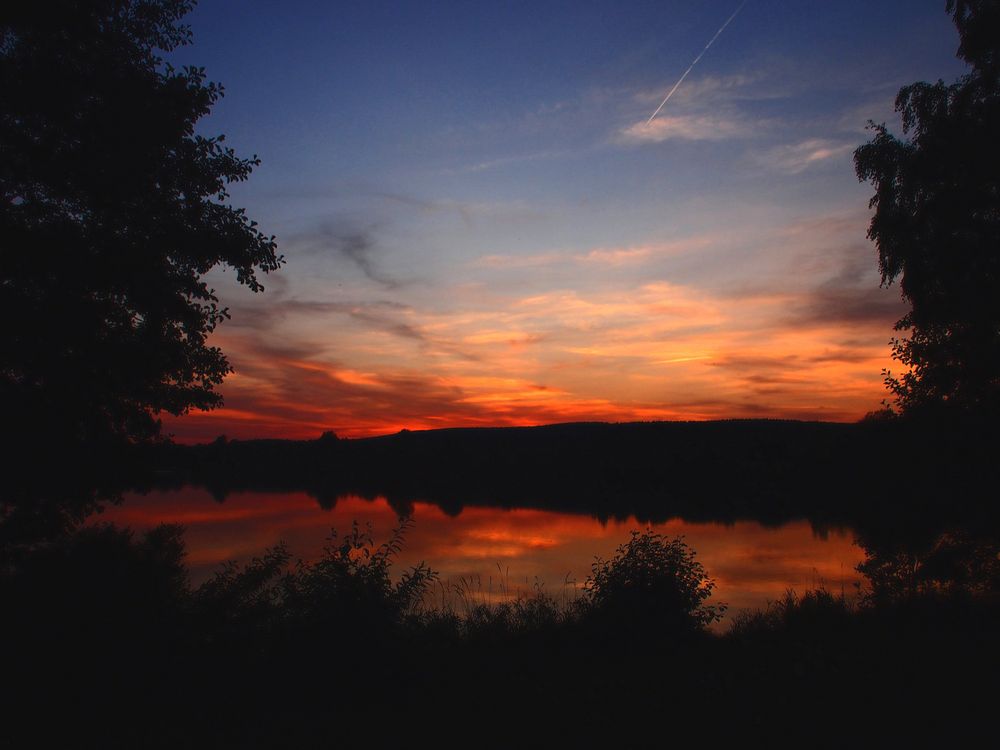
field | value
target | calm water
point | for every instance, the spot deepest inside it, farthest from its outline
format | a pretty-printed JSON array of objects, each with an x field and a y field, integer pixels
[{"x": 486, "y": 549}]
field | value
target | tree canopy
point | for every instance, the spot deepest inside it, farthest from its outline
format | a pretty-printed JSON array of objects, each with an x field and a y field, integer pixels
[
  {"x": 937, "y": 225},
  {"x": 112, "y": 209}
]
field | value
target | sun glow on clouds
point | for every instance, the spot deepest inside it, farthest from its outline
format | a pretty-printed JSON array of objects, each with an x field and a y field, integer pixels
[
  {"x": 500, "y": 310},
  {"x": 613, "y": 346},
  {"x": 523, "y": 245}
]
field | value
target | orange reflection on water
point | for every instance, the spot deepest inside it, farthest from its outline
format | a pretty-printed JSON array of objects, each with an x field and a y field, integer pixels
[{"x": 497, "y": 550}]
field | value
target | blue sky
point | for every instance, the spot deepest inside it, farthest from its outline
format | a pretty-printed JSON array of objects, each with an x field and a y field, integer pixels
[{"x": 481, "y": 227}]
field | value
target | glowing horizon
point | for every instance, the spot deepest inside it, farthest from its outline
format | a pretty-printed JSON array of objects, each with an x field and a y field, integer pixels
[
  {"x": 484, "y": 227},
  {"x": 624, "y": 350}
]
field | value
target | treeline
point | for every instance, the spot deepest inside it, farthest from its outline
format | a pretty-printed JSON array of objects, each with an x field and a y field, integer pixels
[{"x": 762, "y": 469}]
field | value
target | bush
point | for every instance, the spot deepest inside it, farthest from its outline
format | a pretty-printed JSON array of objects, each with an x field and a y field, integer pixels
[
  {"x": 652, "y": 582},
  {"x": 815, "y": 611},
  {"x": 352, "y": 582},
  {"x": 349, "y": 589}
]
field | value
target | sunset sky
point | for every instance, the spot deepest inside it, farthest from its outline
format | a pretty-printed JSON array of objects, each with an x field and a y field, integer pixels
[{"x": 481, "y": 228}]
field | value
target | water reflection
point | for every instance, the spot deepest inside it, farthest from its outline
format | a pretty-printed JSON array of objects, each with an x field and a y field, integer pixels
[{"x": 497, "y": 550}]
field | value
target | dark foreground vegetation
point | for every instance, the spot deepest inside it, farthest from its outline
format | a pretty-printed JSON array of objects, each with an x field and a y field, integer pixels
[{"x": 106, "y": 644}]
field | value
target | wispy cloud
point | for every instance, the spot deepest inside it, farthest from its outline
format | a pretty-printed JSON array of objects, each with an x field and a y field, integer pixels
[
  {"x": 600, "y": 256},
  {"x": 332, "y": 241},
  {"x": 715, "y": 89},
  {"x": 506, "y": 161},
  {"x": 618, "y": 256},
  {"x": 711, "y": 41},
  {"x": 710, "y": 108},
  {"x": 793, "y": 158},
  {"x": 702, "y": 127},
  {"x": 357, "y": 247},
  {"x": 500, "y": 261},
  {"x": 467, "y": 210}
]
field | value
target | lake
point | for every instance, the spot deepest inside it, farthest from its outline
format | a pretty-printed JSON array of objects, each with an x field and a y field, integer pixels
[{"x": 489, "y": 553}]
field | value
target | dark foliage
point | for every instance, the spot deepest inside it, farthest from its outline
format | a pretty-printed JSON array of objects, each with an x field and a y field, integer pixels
[
  {"x": 651, "y": 583},
  {"x": 348, "y": 593},
  {"x": 104, "y": 580},
  {"x": 112, "y": 208},
  {"x": 954, "y": 563},
  {"x": 818, "y": 608},
  {"x": 351, "y": 582},
  {"x": 108, "y": 646},
  {"x": 937, "y": 226}
]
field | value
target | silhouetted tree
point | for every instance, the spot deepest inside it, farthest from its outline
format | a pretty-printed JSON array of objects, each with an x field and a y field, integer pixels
[
  {"x": 112, "y": 209},
  {"x": 937, "y": 224}
]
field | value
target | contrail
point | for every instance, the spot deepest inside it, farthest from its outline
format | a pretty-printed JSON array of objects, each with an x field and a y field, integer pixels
[{"x": 691, "y": 67}]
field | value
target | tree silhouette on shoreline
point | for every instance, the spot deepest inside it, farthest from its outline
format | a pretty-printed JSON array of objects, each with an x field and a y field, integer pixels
[
  {"x": 112, "y": 210},
  {"x": 937, "y": 226}
]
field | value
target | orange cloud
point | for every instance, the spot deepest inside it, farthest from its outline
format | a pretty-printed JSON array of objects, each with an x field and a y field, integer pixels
[{"x": 607, "y": 335}]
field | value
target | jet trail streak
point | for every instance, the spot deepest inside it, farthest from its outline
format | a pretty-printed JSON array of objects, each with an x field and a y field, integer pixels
[{"x": 691, "y": 66}]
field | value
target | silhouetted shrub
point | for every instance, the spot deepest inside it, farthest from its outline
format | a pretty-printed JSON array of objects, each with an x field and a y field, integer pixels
[
  {"x": 242, "y": 599},
  {"x": 815, "y": 610},
  {"x": 651, "y": 582},
  {"x": 351, "y": 584},
  {"x": 526, "y": 614}
]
